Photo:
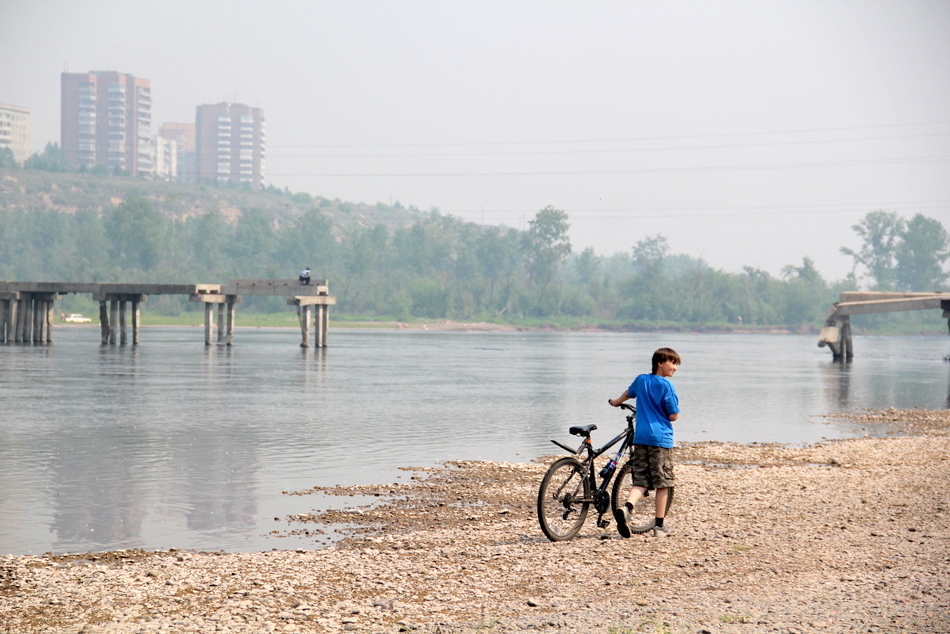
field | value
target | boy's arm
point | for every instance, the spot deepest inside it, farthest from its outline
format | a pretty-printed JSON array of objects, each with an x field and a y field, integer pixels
[{"x": 616, "y": 402}]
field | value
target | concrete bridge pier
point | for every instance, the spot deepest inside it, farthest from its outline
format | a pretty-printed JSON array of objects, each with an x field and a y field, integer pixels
[
  {"x": 321, "y": 318},
  {"x": 113, "y": 313},
  {"x": 836, "y": 334},
  {"x": 225, "y": 304},
  {"x": 26, "y": 317},
  {"x": 9, "y": 312}
]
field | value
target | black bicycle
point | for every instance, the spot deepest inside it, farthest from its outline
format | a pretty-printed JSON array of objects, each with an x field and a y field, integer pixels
[{"x": 570, "y": 485}]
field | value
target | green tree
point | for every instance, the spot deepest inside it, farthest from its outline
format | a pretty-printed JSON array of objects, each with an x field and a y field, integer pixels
[
  {"x": 307, "y": 241},
  {"x": 252, "y": 246},
  {"x": 880, "y": 232},
  {"x": 7, "y": 159},
  {"x": 546, "y": 246},
  {"x": 51, "y": 160},
  {"x": 135, "y": 230},
  {"x": 923, "y": 248}
]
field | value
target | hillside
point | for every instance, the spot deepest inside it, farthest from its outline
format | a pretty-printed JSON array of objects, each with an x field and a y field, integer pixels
[{"x": 69, "y": 193}]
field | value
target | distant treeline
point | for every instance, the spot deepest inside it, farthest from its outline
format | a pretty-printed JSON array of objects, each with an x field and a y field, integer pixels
[{"x": 441, "y": 267}]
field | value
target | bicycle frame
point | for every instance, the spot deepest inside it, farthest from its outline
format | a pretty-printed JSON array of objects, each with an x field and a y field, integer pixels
[{"x": 600, "y": 497}]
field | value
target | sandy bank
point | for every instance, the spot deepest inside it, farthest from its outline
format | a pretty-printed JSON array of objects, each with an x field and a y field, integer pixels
[{"x": 843, "y": 536}]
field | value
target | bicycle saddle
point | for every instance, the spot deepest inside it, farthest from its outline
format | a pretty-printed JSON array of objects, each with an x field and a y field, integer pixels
[{"x": 582, "y": 431}]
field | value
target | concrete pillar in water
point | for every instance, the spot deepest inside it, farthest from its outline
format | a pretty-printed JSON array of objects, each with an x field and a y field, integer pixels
[
  {"x": 4, "y": 317},
  {"x": 136, "y": 321},
  {"x": 123, "y": 331},
  {"x": 209, "y": 322},
  {"x": 321, "y": 321},
  {"x": 232, "y": 299},
  {"x": 303, "y": 316},
  {"x": 222, "y": 323},
  {"x": 104, "y": 329},
  {"x": 25, "y": 327},
  {"x": 50, "y": 318},
  {"x": 113, "y": 319}
]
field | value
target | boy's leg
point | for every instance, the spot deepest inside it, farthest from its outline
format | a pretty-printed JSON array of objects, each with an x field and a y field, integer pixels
[{"x": 662, "y": 495}]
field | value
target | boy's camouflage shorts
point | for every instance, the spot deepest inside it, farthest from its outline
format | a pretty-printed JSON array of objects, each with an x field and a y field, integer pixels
[{"x": 652, "y": 467}]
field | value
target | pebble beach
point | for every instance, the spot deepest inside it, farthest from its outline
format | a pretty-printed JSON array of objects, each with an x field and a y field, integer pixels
[{"x": 844, "y": 536}]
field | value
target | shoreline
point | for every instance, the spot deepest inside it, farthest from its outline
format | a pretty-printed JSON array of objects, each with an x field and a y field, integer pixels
[
  {"x": 823, "y": 538},
  {"x": 446, "y": 325}
]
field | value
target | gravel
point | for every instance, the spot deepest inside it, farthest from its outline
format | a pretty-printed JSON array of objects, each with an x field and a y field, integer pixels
[{"x": 843, "y": 536}]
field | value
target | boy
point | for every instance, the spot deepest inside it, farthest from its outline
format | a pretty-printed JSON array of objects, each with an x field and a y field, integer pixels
[{"x": 657, "y": 407}]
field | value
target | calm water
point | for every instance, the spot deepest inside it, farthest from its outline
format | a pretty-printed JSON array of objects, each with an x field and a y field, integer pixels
[{"x": 170, "y": 444}]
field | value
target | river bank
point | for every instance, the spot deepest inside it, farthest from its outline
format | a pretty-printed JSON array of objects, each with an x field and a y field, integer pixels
[{"x": 851, "y": 535}]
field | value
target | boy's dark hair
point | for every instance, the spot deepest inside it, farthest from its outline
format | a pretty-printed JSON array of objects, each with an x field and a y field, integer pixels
[{"x": 664, "y": 354}]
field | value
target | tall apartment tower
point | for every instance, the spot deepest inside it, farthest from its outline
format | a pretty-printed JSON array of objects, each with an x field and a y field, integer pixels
[
  {"x": 16, "y": 130},
  {"x": 183, "y": 134},
  {"x": 105, "y": 120},
  {"x": 229, "y": 144}
]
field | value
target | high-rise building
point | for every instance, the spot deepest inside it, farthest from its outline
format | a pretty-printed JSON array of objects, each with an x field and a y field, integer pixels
[
  {"x": 184, "y": 136},
  {"x": 166, "y": 159},
  {"x": 105, "y": 120},
  {"x": 16, "y": 130},
  {"x": 229, "y": 144}
]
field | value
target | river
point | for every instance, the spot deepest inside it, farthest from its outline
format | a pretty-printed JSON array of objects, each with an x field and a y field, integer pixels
[{"x": 171, "y": 444}]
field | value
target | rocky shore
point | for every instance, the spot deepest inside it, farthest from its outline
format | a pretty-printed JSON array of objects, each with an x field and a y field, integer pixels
[{"x": 844, "y": 536}]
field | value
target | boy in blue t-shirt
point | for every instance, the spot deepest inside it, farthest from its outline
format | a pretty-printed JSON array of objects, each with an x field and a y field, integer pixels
[{"x": 657, "y": 407}]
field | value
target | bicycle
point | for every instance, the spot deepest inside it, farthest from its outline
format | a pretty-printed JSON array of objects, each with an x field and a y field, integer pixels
[{"x": 570, "y": 486}]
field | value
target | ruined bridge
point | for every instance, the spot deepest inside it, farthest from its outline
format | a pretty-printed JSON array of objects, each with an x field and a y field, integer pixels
[
  {"x": 26, "y": 308},
  {"x": 836, "y": 333}
]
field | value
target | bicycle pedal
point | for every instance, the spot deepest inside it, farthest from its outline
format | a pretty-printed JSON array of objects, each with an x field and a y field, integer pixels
[{"x": 603, "y": 523}]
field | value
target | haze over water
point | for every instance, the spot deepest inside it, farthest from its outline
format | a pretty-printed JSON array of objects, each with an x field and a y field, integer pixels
[{"x": 170, "y": 444}]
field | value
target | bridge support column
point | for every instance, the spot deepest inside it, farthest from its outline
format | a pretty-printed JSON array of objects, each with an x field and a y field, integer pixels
[
  {"x": 232, "y": 299},
  {"x": 303, "y": 316},
  {"x": 209, "y": 323},
  {"x": 321, "y": 323},
  {"x": 123, "y": 329},
  {"x": 837, "y": 336},
  {"x": 321, "y": 317},
  {"x": 8, "y": 315},
  {"x": 24, "y": 327},
  {"x": 136, "y": 321},
  {"x": 104, "y": 329},
  {"x": 222, "y": 323},
  {"x": 225, "y": 315}
]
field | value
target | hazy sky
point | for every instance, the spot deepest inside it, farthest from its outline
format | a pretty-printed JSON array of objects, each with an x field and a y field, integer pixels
[{"x": 747, "y": 133}]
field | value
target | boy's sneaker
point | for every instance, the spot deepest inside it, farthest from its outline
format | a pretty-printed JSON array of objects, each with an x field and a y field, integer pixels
[
  {"x": 622, "y": 515},
  {"x": 645, "y": 528},
  {"x": 662, "y": 531}
]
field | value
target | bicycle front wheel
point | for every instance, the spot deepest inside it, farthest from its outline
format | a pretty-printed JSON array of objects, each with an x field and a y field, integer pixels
[{"x": 563, "y": 499}]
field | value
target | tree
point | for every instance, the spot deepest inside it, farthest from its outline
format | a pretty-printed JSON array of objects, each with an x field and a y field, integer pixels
[
  {"x": 806, "y": 273},
  {"x": 880, "y": 231},
  {"x": 546, "y": 244},
  {"x": 924, "y": 247},
  {"x": 7, "y": 159},
  {"x": 51, "y": 160},
  {"x": 135, "y": 229}
]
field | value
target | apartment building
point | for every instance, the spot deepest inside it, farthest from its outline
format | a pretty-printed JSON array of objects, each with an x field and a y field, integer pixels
[
  {"x": 16, "y": 131},
  {"x": 183, "y": 134},
  {"x": 105, "y": 120},
  {"x": 230, "y": 142}
]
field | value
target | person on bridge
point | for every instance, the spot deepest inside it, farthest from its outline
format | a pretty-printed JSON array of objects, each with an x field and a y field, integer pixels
[
  {"x": 658, "y": 406},
  {"x": 305, "y": 276}
]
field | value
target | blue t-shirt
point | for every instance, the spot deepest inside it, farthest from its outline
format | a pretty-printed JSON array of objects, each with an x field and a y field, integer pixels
[{"x": 656, "y": 400}]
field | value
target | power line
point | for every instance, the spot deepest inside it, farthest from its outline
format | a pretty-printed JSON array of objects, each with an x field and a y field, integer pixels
[
  {"x": 612, "y": 150},
  {"x": 621, "y": 140},
  {"x": 640, "y": 170}
]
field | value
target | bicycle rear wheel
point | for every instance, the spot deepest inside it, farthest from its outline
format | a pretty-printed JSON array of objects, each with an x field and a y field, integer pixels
[
  {"x": 644, "y": 512},
  {"x": 563, "y": 499}
]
